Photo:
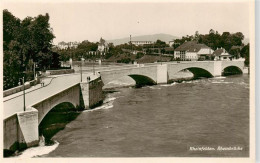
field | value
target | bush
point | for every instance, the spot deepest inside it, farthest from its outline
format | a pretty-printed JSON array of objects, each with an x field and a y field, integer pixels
[
  {"x": 139, "y": 55},
  {"x": 124, "y": 60}
]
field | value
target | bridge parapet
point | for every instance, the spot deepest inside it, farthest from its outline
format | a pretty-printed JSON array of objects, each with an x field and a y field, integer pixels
[
  {"x": 236, "y": 63},
  {"x": 159, "y": 74},
  {"x": 148, "y": 71}
]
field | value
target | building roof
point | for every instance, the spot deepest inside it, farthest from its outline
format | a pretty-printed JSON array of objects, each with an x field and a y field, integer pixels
[
  {"x": 220, "y": 51},
  {"x": 169, "y": 49},
  {"x": 191, "y": 46}
]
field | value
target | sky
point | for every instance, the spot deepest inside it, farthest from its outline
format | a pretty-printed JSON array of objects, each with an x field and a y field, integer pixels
[{"x": 90, "y": 21}]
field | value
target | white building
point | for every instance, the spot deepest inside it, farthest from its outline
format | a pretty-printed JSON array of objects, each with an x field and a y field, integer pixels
[
  {"x": 65, "y": 45},
  {"x": 171, "y": 43},
  {"x": 222, "y": 54},
  {"x": 137, "y": 43},
  {"x": 191, "y": 50},
  {"x": 103, "y": 47}
]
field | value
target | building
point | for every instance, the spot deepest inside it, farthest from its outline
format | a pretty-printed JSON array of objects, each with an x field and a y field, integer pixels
[
  {"x": 171, "y": 43},
  {"x": 102, "y": 47},
  {"x": 137, "y": 43},
  {"x": 191, "y": 50},
  {"x": 222, "y": 54},
  {"x": 65, "y": 45}
]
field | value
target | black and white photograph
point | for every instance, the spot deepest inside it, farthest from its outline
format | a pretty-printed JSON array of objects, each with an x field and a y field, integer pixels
[{"x": 134, "y": 81}]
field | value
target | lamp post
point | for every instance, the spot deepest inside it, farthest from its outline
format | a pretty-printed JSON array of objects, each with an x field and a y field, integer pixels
[
  {"x": 34, "y": 70},
  {"x": 160, "y": 54},
  {"x": 24, "y": 108},
  {"x": 93, "y": 65},
  {"x": 81, "y": 69}
]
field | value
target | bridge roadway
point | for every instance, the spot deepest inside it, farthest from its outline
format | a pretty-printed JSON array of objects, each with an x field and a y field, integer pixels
[
  {"x": 14, "y": 103},
  {"x": 53, "y": 85}
]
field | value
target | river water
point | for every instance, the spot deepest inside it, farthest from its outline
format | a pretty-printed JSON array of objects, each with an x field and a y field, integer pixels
[{"x": 163, "y": 121}]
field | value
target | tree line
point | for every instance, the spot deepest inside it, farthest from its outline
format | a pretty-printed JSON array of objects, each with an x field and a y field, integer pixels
[{"x": 26, "y": 43}]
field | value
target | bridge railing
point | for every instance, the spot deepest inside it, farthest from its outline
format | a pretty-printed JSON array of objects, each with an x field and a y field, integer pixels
[{"x": 137, "y": 67}]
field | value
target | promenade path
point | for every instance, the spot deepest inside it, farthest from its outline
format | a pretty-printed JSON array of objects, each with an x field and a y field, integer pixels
[{"x": 53, "y": 85}]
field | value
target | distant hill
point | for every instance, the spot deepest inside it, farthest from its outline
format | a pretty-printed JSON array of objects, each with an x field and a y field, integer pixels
[{"x": 163, "y": 37}]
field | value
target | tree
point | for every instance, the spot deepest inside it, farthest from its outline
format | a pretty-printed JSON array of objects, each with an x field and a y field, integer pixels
[
  {"x": 211, "y": 31},
  {"x": 196, "y": 36},
  {"x": 25, "y": 41},
  {"x": 160, "y": 43},
  {"x": 245, "y": 53}
]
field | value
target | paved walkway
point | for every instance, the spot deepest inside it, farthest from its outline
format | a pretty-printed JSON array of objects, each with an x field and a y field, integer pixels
[
  {"x": 46, "y": 80},
  {"x": 53, "y": 85}
]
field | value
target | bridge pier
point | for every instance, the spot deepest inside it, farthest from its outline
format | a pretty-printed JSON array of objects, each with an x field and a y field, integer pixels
[
  {"x": 92, "y": 93},
  {"x": 162, "y": 74},
  {"x": 21, "y": 131},
  {"x": 217, "y": 68},
  {"x": 84, "y": 86}
]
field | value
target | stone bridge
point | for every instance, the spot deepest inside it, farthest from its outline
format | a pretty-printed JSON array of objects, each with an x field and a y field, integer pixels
[
  {"x": 162, "y": 73},
  {"x": 21, "y": 128}
]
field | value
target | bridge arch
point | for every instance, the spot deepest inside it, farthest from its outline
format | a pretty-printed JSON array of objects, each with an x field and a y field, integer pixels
[
  {"x": 196, "y": 71},
  {"x": 70, "y": 95},
  {"x": 56, "y": 119},
  {"x": 231, "y": 70},
  {"x": 199, "y": 72},
  {"x": 141, "y": 75},
  {"x": 142, "y": 80}
]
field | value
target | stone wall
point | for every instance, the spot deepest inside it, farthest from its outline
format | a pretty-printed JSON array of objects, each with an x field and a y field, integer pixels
[
  {"x": 59, "y": 72},
  {"x": 14, "y": 90}
]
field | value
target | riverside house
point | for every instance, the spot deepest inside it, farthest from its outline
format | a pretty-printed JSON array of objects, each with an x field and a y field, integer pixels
[
  {"x": 191, "y": 50},
  {"x": 222, "y": 54}
]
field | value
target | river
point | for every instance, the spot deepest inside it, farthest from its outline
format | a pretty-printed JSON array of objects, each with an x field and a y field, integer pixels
[{"x": 163, "y": 121}]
